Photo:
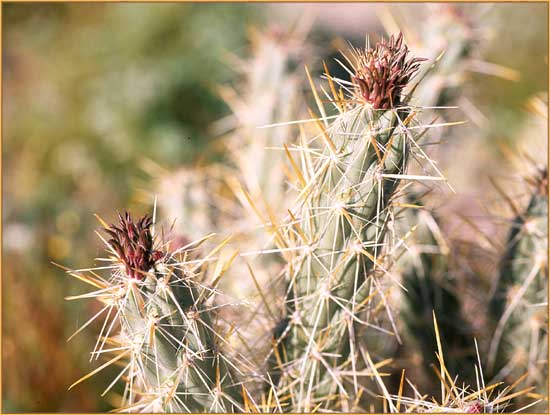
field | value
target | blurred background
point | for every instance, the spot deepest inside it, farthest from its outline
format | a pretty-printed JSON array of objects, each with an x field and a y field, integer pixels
[{"x": 94, "y": 93}]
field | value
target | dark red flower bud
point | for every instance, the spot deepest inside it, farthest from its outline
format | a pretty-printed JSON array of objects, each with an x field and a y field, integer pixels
[
  {"x": 382, "y": 73},
  {"x": 133, "y": 244}
]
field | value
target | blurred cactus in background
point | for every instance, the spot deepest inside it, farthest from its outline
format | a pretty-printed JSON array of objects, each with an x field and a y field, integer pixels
[
  {"x": 519, "y": 306},
  {"x": 451, "y": 41},
  {"x": 427, "y": 270},
  {"x": 195, "y": 198},
  {"x": 267, "y": 94}
]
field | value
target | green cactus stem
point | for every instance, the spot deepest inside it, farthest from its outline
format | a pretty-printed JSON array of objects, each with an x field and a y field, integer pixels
[
  {"x": 168, "y": 336},
  {"x": 341, "y": 219}
]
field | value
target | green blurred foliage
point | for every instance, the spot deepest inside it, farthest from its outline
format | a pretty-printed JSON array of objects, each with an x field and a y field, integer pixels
[{"x": 91, "y": 89}]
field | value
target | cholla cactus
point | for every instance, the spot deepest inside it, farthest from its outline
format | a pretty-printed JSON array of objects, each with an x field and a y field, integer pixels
[
  {"x": 451, "y": 39},
  {"x": 427, "y": 272},
  {"x": 267, "y": 94},
  {"x": 519, "y": 307},
  {"x": 335, "y": 236},
  {"x": 205, "y": 198},
  {"x": 168, "y": 335},
  {"x": 340, "y": 244},
  {"x": 460, "y": 397}
]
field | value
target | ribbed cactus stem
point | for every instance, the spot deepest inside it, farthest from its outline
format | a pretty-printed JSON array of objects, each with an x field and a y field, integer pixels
[
  {"x": 519, "y": 305},
  {"x": 176, "y": 348},
  {"x": 351, "y": 231},
  {"x": 348, "y": 213},
  {"x": 341, "y": 219},
  {"x": 167, "y": 327}
]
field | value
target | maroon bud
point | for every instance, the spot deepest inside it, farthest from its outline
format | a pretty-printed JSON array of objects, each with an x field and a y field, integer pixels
[
  {"x": 382, "y": 73},
  {"x": 133, "y": 243}
]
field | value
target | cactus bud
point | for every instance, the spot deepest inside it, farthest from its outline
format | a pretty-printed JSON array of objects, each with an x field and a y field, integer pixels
[
  {"x": 133, "y": 244},
  {"x": 382, "y": 73}
]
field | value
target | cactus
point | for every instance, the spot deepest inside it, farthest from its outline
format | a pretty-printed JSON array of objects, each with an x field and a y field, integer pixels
[
  {"x": 337, "y": 230},
  {"x": 205, "y": 198},
  {"x": 340, "y": 243},
  {"x": 519, "y": 304},
  {"x": 452, "y": 37},
  {"x": 268, "y": 94},
  {"x": 168, "y": 336},
  {"x": 427, "y": 270},
  {"x": 457, "y": 396}
]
